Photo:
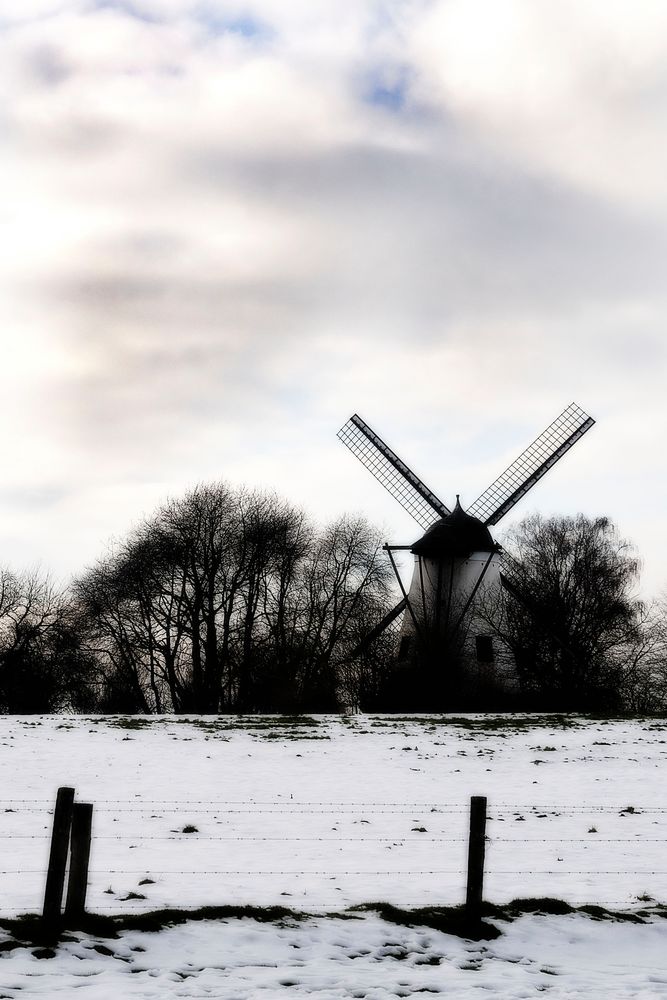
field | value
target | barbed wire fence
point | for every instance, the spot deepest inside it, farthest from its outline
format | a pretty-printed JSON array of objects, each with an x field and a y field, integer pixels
[{"x": 65, "y": 840}]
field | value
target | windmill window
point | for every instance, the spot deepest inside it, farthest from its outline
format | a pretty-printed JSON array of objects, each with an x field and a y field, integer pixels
[
  {"x": 405, "y": 647},
  {"x": 484, "y": 648}
]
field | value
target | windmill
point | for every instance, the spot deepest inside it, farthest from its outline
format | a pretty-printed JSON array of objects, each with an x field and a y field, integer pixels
[{"x": 456, "y": 559}]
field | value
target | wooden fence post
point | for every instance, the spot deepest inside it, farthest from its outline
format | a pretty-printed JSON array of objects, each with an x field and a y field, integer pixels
[
  {"x": 82, "y": 819},
  {"x": 476, "y": 845},
  {"x": 55, "y": 877}
]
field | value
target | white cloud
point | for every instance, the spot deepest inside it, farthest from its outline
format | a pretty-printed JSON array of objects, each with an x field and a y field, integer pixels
[
  {"x": 226, "y": 235},
  {"x": 572, "y": 87}
]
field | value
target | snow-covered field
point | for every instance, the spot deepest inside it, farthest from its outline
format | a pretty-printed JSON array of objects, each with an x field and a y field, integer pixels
[{"x": 321, "y": 814}]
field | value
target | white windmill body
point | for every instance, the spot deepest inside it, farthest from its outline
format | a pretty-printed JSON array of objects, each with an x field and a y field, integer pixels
[
  {"x": 456, "y": 561},
  {"x": 456, "y": 568},
  {"x": 453, "y": 559}
]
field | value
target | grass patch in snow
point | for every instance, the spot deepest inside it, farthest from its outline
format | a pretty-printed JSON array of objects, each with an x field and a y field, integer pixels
[
  {"x": 277, "y": 735},
  {"x": 132, "y": 722},
  {"x": 267, "y": 726},
  {"x": 520, "y": 722},
  {"x": 29, "y": 930},
  {"x": 476, "y": 724},
  {"x": 557, "y": 907},
  {"x": 447, "y": 919}
]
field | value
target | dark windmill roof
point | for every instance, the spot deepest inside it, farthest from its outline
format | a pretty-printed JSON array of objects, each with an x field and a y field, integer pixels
[{"x": 458, "y": 534}]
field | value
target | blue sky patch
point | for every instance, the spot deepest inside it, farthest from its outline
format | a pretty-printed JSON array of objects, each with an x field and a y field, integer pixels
[
  {"x": 215, "y": 23},
  {"x": 387, "y": 91}
]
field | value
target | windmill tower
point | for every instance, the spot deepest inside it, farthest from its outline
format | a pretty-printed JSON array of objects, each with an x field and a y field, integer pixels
[{"x": 456, "y": 560}]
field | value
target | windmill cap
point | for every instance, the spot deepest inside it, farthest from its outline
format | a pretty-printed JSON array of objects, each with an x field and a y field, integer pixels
[{"x": 457, "y": 534}]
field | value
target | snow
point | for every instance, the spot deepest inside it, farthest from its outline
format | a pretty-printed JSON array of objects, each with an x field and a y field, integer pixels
[
  {"x": 566, "y": 956},
  {"x": 322, "y": 814}
]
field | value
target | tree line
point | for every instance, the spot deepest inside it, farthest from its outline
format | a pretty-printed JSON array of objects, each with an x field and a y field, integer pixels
[
  {"x": 223, "y": 601},
  {"x": 232, "y": 600}
]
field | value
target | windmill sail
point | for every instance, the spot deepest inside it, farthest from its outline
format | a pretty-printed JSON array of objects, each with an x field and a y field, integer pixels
[
  {"x": 391, "y": 472},
  {"x": 531, "y": 465},
  {"x": 381, "y": 627}
]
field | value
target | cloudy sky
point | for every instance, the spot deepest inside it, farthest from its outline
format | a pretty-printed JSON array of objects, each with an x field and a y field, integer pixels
[{"x": 228, "y": 225}]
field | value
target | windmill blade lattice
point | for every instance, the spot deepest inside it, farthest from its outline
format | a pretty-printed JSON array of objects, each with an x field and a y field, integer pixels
[
  {"x": 531, "y": 465},
  {"x": 420, "y": 502}
]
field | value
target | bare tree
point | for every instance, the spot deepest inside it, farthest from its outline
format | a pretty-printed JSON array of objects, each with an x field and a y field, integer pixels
[
  {"x": 346, "y": 584},
  {"x": 642, "y": 664},
  {"x": 42, "y": 666},
  {"x": 229, "y": 600},
  {"x": 578, "y": 615},
  {"x": 111, "y": 622}
]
